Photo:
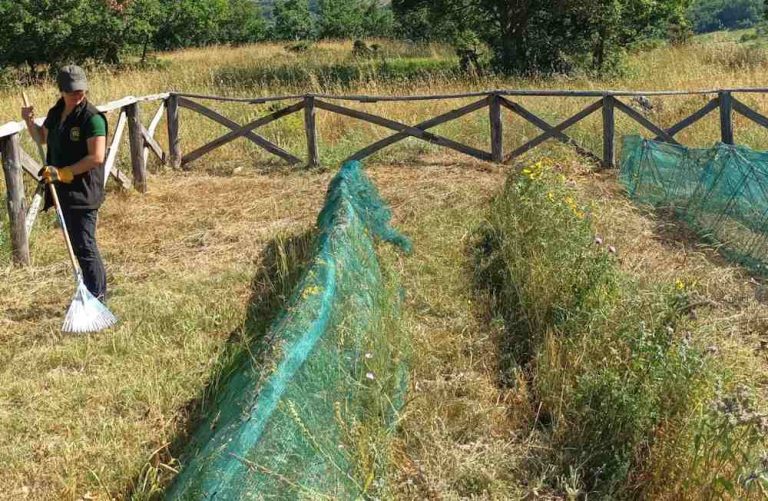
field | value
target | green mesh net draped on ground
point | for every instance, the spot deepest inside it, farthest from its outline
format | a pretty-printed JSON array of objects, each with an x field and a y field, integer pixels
[
  {"x": 720, "y": 192},
  {"x": 303, "y": 422}
]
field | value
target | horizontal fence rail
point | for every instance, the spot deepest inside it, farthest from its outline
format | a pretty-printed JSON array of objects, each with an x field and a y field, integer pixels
[{"x": 142, "y": 141}]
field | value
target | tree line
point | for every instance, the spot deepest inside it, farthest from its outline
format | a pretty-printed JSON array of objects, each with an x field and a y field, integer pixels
[
  {"x": 518, "y": 36},
  {"x": 49, "y": 32},
  {"x": 715, "y": 15}
]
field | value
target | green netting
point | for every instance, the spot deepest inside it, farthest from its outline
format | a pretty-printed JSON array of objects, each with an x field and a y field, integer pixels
[
  {"x": 720, "y": 192},
  {"x": 304, "y": 422}
]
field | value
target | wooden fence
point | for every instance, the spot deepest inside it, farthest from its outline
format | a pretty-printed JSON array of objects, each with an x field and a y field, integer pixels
[{"x": 16, "y": 162}]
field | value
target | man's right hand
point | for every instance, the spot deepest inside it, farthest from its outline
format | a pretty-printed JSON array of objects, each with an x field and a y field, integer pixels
[
  {"x": 28, "y": 113},
  {"x": 50, "y": 174}
]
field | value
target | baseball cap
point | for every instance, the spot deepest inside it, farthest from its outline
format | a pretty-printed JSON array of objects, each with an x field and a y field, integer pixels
[{"x": 71, "y": 78}]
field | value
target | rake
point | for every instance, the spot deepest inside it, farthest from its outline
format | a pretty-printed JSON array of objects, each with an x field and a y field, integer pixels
[{"x": 86, "y": 313}]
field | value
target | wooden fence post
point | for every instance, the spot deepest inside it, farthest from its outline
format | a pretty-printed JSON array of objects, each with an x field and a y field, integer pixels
[
  {"x": 311, "y": 130},
  {"x": 136, "y": 140},
  {"x": 609, "y": 133},
  {"x": 17, "y": 204},
  {"x": 174, "y": 143},
  {"x": 726, "y": 117},
  {"x": 497, "y": 131}
]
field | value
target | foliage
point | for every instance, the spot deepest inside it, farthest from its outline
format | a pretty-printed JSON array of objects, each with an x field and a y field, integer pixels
[
  {"x": 38, "y": 33},
  {"x": 244, "y": 23},
  {"x": 189, "y": 23},
  {"x": 421, "y": 23},
  {"x": 293, "y": 20},
  {"x": 550, "y": 36},
  {"x": 713, "y": 15},
  {"x": 378, "y": 20},
  {"x": 340, "y": 19},
  {"x": 52, "y": 32}
]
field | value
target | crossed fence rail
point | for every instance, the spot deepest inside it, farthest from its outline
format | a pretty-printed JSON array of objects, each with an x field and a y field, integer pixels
[{"x": 17, "y": 163}]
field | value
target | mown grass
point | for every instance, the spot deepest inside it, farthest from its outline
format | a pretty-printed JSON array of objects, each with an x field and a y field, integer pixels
[{"x": 100, "y": 415}]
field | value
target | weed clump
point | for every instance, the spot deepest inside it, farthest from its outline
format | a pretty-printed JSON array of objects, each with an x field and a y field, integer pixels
[{"x": 625, "y": 395}]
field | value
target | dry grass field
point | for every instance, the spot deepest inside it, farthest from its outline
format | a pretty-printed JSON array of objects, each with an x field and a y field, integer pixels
[{"x": 99, "y": 417}]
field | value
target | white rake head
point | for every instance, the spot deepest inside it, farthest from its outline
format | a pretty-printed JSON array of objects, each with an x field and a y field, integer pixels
[{"x": 86, "y": 313}]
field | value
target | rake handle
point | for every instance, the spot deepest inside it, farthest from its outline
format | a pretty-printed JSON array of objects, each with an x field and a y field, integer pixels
[
  {"x": 60, "y": 213},
  {"x": 54, "y": 196},
  {"x": 40, "y": 191},
  {"x": 33, "y": 132}
]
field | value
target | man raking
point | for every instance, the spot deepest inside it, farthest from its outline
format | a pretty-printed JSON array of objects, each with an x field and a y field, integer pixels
[{"x": 75, "y": 133}]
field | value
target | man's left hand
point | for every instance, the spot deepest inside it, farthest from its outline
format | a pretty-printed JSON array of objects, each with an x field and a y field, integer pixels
[{"x": 51, "y": 174}]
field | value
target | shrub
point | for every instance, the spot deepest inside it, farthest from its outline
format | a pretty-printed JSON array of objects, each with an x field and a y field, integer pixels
[
  {"x": 347, "y": 73},
  {"x": 361, "y": 49},
  {"x": 299, "y": 47}
]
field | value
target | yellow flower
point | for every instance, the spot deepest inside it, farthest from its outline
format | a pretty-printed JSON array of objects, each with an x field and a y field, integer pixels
[{"x": 680, "y": 285}]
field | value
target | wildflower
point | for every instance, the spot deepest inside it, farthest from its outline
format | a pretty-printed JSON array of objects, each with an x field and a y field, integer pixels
[
  {"x": 534, "y": 171},
  {"x": 680, "y": 285},
  {"x": 370, "y": 376},
  {"x": 612, "y": 249},
  {"x": 369, "y": 356},
  {"x": 598, "y": 240}
]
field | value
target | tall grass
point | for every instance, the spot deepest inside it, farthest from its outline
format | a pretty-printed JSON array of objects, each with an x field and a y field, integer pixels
[
  {"x": 621, "y": 386},
  {"x": 98, "y": 413},
  {"x": 402, "y": 68}
]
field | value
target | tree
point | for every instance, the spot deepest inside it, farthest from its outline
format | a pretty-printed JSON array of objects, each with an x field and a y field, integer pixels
[
  {"x": 551, "y": 35},
  {"x": 293, "y": 20},
  {"x": 35, "y": 34},
  {"x": 419, "y": 22},
  {"x": 340, "y": 19},
  {"x": 713, "y": 15},
  {"x": 244, "y": 23},
  {"x": 53, "y": 32},
  {"x": 378, "y": 20},
  {"x": 112, "y": 27},
  {"x": 191, "y": 23}
]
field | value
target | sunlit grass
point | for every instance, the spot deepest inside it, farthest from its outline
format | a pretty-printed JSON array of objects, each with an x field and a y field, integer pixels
[{"x": 98, "y": 415}]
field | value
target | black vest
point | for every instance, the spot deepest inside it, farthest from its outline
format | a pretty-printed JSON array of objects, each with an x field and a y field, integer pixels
[{"x": 87, "y": 190}]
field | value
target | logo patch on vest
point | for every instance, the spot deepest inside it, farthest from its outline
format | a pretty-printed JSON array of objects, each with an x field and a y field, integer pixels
[{"x": 74, "y": 134}]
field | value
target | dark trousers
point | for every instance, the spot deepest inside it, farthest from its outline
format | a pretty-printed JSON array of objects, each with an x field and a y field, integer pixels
[{"x": 81, "y": 225}]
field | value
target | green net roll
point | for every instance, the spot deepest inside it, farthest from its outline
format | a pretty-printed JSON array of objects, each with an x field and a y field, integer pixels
[
  {"x": 720, "y": 192},
  {"x": 300, "y": 423}
]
